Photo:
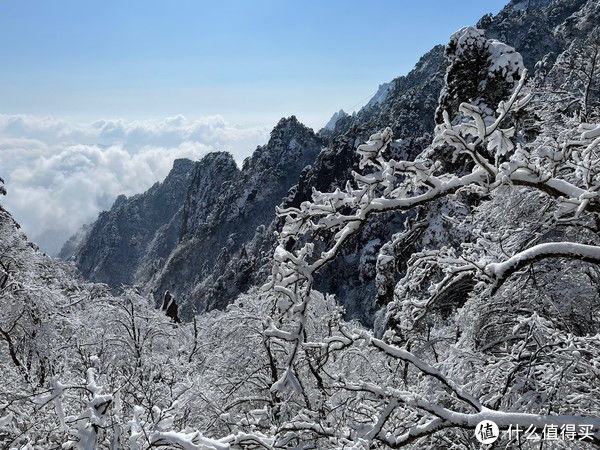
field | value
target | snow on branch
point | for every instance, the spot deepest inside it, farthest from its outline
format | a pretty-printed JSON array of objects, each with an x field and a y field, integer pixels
[
  {"x": 425, "y": 368},
  {"x": 498, "y": 159},
  {"x": 499, "y": 272}
]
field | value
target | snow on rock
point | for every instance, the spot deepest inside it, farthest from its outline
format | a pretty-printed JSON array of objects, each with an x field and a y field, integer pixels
[
  {"x": 381, "y": 95},
  {"x": 505, "y": 60},
  {"x": 465, "y": 39},
  {"x": 330, "y": 125},
  {"x": 502, "y": 58}
]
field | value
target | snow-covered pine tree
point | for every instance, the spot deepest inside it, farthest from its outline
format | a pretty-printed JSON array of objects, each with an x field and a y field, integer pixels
[{"x": 481, "y": 71}]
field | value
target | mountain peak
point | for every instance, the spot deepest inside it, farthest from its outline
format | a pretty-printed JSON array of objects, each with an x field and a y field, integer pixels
[
  {"x": 286, "y": 121},
  {"x": 119, "y": 201},
  {"x": 330, "y": 126},
  {"x": 287, "y": 124},
  {"x": 182, "y": 164},
  {"x": 218, "y": 158}
]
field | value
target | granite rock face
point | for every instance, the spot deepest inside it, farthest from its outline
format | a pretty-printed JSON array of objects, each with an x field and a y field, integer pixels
[
  {"x": 209, "y": 177},
  {"x": 181, "y": 234},
  {"x": 113, "y": 247},
  {"x": 217, "y": 226}
]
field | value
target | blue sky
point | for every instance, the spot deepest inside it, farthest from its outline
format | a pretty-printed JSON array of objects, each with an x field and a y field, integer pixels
[{"x": 249, "y": 61}]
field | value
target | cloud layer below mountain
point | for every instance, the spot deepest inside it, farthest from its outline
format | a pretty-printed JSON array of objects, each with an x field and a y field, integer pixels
[{"x": 60, "y": 174}]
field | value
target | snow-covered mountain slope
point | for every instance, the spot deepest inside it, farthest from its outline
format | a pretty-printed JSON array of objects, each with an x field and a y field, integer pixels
[
  {"x": 212, "y": 237},
  {"x": 180, "y": 234},
  {"x": 113, "y": 247}
]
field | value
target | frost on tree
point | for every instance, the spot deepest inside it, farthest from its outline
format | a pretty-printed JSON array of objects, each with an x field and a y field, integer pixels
[
  {"x": 481, "y": 71},
  {"x": 504, "y": 166},
  {"x": 576, "y": 79}
]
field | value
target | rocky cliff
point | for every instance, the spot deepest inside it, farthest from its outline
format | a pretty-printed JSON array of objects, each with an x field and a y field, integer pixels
[
  {"x": 181, "y": 234},
  {"x": 217, "y": 229},
  {"x": 111, "y": 249}
]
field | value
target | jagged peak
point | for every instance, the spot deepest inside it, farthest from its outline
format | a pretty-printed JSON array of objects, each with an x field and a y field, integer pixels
[
  {"x": 211, "y": 164},
  {"x": 120, "y": 200},
  {"x": 182, "y": 163},
  {"x": 286, "y": 121},
  {"x": 181, "y": 167},
  {"x": 287, "y": 124},
  {"x": 288, "y": 134},
  {"x": 219, "y": 157},
  {"x": 330, "y": 125}
]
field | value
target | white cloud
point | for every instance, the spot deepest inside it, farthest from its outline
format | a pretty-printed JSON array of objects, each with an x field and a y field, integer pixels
[{"x": 60, "y": 174}]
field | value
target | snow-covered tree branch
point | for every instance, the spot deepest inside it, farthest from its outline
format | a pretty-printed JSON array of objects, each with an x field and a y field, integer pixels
[{"x": 316, "y": 231}]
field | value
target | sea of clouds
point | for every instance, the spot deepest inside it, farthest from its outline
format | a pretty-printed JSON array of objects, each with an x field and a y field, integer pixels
[{"x": 60, "y": 174}]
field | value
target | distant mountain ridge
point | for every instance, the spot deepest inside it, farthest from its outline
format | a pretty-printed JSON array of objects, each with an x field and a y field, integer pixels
[
  {"x": 117, "y": 242},
  {"x": 180, "y": 233}
]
